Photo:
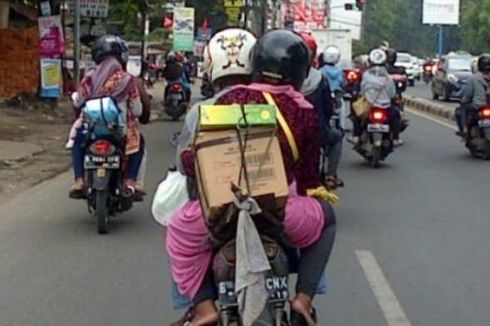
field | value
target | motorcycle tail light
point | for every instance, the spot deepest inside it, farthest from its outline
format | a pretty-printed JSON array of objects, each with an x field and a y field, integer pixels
[
  {"x": 377, "y": 115},
  {"x": 102, "y": 148},
  {"x": 428, "y": 68},
  {"x": 352, "y": 76},
  {"x": 176, "y": 87},
  {"x": 485, "y": 113}
]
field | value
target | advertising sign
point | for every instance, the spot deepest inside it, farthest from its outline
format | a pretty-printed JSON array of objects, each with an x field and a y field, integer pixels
[
  {"x": 51, "y": 42},
  {"x": 183, "y": 33},
  {"x": 51, "y": 78},
  {"x": 306, "y": 14},
  {"x": 91, "y": 8},
  {"x": 441, "y": 12}
]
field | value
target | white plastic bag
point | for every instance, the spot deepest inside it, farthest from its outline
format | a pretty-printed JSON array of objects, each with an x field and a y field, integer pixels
[{"x": 171, "y": 195}]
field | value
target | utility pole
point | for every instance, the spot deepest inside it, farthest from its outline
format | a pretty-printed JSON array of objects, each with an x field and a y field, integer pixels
[
  {"x": 76, "y": 60},
  {"x": 145, "y": 27},
  {"x": 440, "y": 41}
]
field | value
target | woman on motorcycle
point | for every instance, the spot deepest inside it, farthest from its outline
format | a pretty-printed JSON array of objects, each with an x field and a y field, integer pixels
[
  {"x": 316, "y": 90},
  {"x": 109, "y": 78},
  {"x": 174, "y": 72},
  {"x": 379, "y": 89},
  {"x": 280, "y": 65}
]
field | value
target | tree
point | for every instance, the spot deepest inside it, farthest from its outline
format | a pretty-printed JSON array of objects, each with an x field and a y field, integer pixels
[{"x": 475, "y": 25}]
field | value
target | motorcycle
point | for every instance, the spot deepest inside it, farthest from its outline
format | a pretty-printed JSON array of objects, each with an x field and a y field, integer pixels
[
  {"x": 376, "y": 141},
  {"x": 103, "y": 160},
  {"x": 353, "y": 83},
  {"x": 276, "y": 281},
  {"x": 401, "y": 83},
  {"x": 206, "y": 87},
  {"x": 175, "y": 100},
  {"x": 478, "y": 137},
  {"x": 106, "y": 194},
  {"x": 427, "y": 74}
]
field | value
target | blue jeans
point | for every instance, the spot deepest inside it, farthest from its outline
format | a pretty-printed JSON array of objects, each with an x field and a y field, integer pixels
[{"x": 78, "y": 152}]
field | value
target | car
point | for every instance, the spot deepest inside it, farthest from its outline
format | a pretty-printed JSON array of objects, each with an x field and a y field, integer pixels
[
  {"x": 451, "y": 76},
  {"x": 404, "y": 59},
  {"x": 416, "y": 68}
]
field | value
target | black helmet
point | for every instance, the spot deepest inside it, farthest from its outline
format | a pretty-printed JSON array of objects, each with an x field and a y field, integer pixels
[
  {"x": 110, "y": 46},
  {"x": 281, "y": 56},
  {"x": 390, "y": 56},
  {"x": 484, "y": 63}
]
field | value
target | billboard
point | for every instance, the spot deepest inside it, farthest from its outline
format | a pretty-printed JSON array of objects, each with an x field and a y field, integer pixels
[
  {"x": 441, "y": 12},
  {"x": 183, "y": 29},
  {"x": 91, "y": 8}
]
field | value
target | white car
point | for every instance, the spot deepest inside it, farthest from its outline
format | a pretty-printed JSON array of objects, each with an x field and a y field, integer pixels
[{"x": 404, "y": 59}]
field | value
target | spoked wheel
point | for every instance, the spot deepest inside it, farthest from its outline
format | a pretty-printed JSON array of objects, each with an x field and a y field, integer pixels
[
  {"x": 102, "y": 212},
  {"x": 376, "y": 157}
]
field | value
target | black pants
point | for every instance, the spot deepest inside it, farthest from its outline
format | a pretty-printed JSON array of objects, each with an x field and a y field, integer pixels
[
  {"x": 394, "y": 119},
  {"x": 465, "y": 117},
  {"x": 313, "y": 261}
]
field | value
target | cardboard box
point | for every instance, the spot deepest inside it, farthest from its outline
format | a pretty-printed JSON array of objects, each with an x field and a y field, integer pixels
[
  {"x": 212, "y": 117},
  {"x": 218, "y": 165}
]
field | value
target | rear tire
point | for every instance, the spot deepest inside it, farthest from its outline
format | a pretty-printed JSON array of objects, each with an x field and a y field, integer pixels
[
  {"x": 486, "y": 154},
  {"x": 102, "y": 212},
  {"x": 376, "y": 157}
]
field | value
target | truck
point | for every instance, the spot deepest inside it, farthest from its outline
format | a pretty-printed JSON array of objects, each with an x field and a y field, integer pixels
[{"x": 340, "y": 38}]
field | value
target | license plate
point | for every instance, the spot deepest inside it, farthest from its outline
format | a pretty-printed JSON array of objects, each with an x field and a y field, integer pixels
[
  {"x": 175, "y": 96},
  {"x": 377, "y": 127},
  {"x": 92, "y": 162},
  {"x": 484, "y": 123},
  {"x": 277, "y": 289}
]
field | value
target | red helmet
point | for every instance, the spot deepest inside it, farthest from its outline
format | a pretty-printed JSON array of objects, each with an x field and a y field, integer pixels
[{"x": 310, "y": 42}]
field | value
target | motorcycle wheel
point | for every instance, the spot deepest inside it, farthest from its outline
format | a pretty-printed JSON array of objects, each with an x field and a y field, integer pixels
[
  {"x": 376, "y": 157},
  {"x": 102, "y": 212},
  {"x": 486, "y": 154}
]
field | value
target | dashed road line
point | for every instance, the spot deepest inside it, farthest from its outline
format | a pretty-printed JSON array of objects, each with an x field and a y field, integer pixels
[{"x": 387, "y": 300}]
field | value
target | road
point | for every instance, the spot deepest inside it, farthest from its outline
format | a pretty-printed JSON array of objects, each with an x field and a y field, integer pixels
[
  {"x": 412, "y": 245},
  {"x": 423, "y": 90}
]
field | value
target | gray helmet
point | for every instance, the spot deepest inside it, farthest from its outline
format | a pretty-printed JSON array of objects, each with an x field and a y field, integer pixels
[
  {"x": 484, "y": 63},
  {"x": 110, "y": 46}
]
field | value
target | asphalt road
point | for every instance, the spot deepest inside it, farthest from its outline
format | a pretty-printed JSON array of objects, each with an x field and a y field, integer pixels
[
  {"x": 423, "y": 90},
  {"x": 412, "y": 245}
]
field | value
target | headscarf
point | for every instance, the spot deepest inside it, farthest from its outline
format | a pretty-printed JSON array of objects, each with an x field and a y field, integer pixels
[{"x": 107, "y": 79}]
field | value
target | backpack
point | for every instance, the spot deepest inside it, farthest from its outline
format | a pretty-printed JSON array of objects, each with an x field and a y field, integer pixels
[{"x": 103, "y": 117}]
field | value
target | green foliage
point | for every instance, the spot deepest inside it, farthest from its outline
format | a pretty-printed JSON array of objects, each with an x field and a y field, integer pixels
[
  {"x": 400, "y": 23},
  {"x": 476, "y": 24}
]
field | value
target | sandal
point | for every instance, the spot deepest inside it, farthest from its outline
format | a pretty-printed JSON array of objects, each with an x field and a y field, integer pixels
[
  {"x": 186, "y": 319},
  {"x": 340, "y": 182},
  {"x": 78, "y": 190},
  {"x": 298, "y": 319},
  {"x": 331, "y": 183}
]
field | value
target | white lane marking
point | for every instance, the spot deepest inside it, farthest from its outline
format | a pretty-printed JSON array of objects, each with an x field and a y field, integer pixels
[
  {"x": 390, "y": 306},
  {"x": 431, "y": 118}
]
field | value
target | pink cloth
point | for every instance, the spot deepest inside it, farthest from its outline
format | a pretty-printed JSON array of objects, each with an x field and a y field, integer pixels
[{"x": 190, "y": 254}]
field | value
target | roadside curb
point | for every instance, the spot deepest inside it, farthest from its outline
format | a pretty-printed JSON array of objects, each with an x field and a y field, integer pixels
[{"x": 429, "y": 107}]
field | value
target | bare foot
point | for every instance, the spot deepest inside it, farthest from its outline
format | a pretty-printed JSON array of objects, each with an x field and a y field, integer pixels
[
  {"x": 303, "y": 305},
  {"x": 205, "y": 314}
]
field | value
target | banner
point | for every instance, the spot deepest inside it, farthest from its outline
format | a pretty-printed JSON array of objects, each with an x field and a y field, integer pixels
[
  {"x": 91, "y": 8},
  {"x": 183, "y": 33},
  {"x": 305, "y": 14},
  {"x": 51, "y": 78},
  {"x": 441, "y": 12},
  {"x": 51, "y": 41}
]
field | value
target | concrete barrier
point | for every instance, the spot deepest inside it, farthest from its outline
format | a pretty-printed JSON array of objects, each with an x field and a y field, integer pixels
[{"x": 430, "y": 107}]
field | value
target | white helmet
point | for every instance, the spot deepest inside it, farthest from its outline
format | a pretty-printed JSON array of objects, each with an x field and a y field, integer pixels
[
  {"x": 229, "y": 53},
  {"x": 377, "y": 57},
  {"x": 331, "y": 55}
]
